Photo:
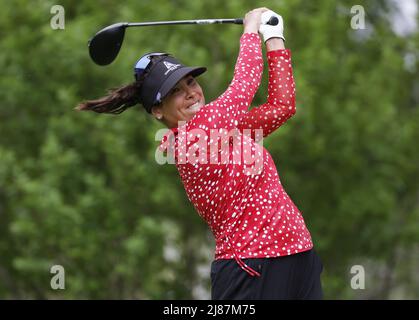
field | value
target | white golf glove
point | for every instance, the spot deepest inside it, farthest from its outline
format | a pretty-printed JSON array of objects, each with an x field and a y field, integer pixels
[{"x": 267, "y": 31}]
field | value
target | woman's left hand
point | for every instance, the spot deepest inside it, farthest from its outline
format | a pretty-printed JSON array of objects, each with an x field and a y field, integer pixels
[{"x": 252, "y": 20}]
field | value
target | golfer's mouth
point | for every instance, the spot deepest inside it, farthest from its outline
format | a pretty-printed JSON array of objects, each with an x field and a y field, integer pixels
[{"x": 195, "y": 107}]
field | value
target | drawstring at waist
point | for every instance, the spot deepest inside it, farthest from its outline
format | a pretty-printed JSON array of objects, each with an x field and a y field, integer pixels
[{"x": 240, "y": 262}]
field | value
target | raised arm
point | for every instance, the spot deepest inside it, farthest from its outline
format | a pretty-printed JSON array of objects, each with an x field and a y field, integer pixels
[
  {"x": 280, "y": 105},
  {"x": 248, "y": 69}
]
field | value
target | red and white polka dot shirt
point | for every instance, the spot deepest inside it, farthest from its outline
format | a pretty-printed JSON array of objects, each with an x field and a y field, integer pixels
[{"x": 244, "y": 203}]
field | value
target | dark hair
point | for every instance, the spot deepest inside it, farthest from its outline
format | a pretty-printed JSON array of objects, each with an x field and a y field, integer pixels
[{"x": 118, "y": 99}]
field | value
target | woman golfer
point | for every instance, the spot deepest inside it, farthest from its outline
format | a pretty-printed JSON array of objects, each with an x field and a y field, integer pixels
[{"x": 263, "y": 248}]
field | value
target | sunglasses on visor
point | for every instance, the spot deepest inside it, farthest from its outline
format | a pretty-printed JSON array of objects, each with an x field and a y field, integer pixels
[{"x": 142, "y": 64}]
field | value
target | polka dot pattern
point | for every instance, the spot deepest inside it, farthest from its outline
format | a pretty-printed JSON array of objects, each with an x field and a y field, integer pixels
[{"x": 250, "y": 215}]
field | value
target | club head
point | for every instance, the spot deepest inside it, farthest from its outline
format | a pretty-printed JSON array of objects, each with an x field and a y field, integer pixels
[{"x": 104, "y": 46}]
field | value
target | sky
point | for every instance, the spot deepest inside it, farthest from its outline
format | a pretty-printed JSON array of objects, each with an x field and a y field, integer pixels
[{"x": 404, "y": 21}]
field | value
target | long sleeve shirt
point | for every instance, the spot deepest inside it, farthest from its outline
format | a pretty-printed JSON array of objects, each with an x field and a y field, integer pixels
[{"x": 244, "y": 203}]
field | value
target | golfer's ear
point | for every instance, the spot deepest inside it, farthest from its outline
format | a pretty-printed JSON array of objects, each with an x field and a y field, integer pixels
[{"x": 157, "y": 112}]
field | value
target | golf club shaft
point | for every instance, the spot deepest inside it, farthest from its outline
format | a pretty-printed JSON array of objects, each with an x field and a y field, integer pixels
[
  {"x": 200, "y": 21},
  {"x": 105, "y": 44}
]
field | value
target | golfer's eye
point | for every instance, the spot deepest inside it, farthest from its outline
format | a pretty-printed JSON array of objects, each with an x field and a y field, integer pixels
[
  {"x": 191, "y": 81},
  {"x": 174, "y": 90}
]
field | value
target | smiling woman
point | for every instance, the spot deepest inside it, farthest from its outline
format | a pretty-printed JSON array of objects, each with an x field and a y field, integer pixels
[
  {"x": 182, "y": 102},
  {"x": 263, "y": 247},
  {"x": 164, "y": 86}
]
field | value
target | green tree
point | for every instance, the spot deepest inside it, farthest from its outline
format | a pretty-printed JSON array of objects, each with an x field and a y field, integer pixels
[{"x": 84, "y": 191}]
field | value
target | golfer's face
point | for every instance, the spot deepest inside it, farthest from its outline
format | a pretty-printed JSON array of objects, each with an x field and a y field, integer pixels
[{"x": 183, "y": 101}]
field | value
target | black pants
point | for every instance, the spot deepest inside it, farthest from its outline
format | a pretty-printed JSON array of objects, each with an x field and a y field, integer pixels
[{"x": 290, "y": 277}]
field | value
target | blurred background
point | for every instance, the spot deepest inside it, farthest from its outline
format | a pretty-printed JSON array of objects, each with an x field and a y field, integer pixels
[{"x": 84, "y": 191}]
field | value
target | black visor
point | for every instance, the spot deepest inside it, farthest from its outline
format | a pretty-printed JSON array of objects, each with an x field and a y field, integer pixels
[{"x": 162, "y": 77}]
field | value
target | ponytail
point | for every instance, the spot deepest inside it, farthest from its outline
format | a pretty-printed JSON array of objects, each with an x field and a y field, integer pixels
[{"x": 118, "y": 99}]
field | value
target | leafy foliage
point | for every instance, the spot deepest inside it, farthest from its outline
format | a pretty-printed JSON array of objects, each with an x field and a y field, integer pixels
[{"x": 84, "y": 191}]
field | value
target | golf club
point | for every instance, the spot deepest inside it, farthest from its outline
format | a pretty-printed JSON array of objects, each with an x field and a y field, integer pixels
[{"x": 104, "y": 46}]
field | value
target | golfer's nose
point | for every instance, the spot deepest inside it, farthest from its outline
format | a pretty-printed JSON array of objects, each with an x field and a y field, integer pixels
[{"x": 190, "y": 93}]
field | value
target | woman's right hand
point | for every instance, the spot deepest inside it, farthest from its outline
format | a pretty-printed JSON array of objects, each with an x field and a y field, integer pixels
[{"x": 252, "y": 20}]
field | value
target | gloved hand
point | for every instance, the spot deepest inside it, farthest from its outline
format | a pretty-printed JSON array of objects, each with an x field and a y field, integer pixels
[{"x": 267, "y": 31}]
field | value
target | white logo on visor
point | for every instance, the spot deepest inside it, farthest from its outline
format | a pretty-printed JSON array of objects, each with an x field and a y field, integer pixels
[{"x": 170, "y": 66}]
